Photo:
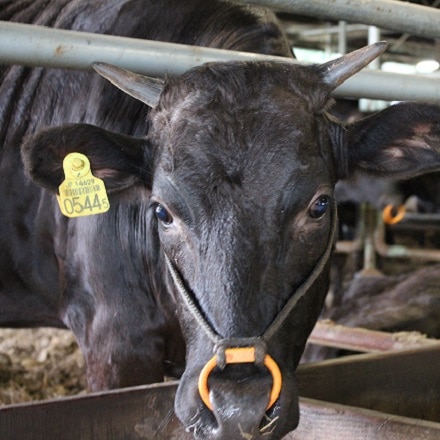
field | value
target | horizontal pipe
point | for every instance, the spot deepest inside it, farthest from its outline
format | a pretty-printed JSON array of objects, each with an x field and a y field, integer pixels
[
  {"x": 388, "y": 14},
  {"x": 348, "y": 247},
  {"x": 400, "y": 251},
  {"x": 430, "y": 219},
  {"x": 324, "y": 30},
  {"x": 330, "y": 334},
  {"x": 33, "y": 45},
  {"x": 391, "y": 87},
  {"x": 416, "y": 221}
]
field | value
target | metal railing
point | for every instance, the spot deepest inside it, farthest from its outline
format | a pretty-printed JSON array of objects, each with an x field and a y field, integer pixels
[{"x": 33, "y": 45}]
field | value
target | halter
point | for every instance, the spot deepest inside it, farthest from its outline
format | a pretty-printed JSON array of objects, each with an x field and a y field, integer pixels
[{"x": 254, "y": 349}]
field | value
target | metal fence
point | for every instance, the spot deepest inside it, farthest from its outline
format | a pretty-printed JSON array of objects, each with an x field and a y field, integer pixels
[{"x": 40, "y": 46}]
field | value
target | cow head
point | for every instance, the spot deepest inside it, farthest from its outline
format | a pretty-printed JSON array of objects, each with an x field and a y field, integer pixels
[{"x": 241, "y": 160}]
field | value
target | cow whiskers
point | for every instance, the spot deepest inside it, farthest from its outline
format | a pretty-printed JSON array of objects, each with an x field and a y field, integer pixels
[
  {"x": 270, "y": 426},
  {"x": 195, "y": 424}
]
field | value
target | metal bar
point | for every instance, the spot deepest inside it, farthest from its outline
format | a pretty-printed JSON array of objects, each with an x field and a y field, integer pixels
[
  {"x": 388, "y": 14},
  {"x": 321, "y": 31},
  {"x": 417, "y": 222},
  {"x": 342, "y": 37},
  {"x": 391, "y": 87},
  {"x": 369, "y": 267},
  {"x": 33, "y": 45},
  {"x": 330, "y": 334},
  {"x": 400, "y": 251},
  {"x": 374, "y": 37},
  {"x": 330, "y": 421},
  {"x": 373, "y": 381},
  {"x": 146, "y": 412},
  {"x": 348, "y": 247},
  {"x": 413, "y": 217}
]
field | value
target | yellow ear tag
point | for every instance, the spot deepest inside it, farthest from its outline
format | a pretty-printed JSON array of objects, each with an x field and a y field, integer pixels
[{"x": 81, "y": 193}]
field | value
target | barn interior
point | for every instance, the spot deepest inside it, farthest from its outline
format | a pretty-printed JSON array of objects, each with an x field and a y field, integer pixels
[{"x": 386, "y": 267}]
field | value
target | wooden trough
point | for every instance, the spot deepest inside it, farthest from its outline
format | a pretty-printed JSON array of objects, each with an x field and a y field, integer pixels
[{"x": 391, "y": 395}]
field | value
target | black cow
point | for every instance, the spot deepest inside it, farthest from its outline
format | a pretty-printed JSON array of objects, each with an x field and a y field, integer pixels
[
  {"x": 223, "y": 215},
  {"x": 124, "y": 323},
  {"x": 235, "y": 189}
]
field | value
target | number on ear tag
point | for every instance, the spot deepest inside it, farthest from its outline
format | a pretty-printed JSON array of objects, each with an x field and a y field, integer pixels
[{"x": 81, "y": 193}]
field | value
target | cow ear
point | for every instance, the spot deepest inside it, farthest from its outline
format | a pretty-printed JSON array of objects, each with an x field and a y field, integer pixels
[
  {"x": 121, "y": 161},
  {"x": 400, "y": 142}
]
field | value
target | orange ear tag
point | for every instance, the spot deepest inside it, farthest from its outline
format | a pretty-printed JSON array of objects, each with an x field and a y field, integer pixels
[
  {"x": 81, "y": 193},
  {"x": 390, "y": 218}
]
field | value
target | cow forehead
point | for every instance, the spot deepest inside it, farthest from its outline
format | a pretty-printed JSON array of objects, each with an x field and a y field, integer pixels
[
  {"x": 215, "y": 170},
  {"x": 235, "y": 145},
  {"x": 247, "y": 131},
  {"x": 229, "y": 99}
]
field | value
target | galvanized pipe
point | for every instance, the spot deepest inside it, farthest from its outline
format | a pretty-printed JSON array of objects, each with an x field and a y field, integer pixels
[
  {"x": 391, "y": 87},
  {"x": 374, "y": 37},
  {"x": 321, "y": 31},
  {"x": 400, "y": 251},
  {"x": 33, "y": 45},
  {"x": 388, "y": 14},
  {"x": 342, "y": 37},
  {"x": 369, "y": 266},
  {"x": 418, "y": 221},
  {"x": 330, "y": 334}
]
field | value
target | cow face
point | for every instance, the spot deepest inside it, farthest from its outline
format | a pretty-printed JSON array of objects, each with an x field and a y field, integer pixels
[
  {"x": 242, "y": 162},
  {"x": 243, "y": 192}
]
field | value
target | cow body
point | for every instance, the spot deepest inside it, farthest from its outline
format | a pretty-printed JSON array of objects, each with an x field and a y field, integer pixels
[
  {"x": 392, "y": 303},
  {"x": 233, "y": 184},
  {"x": 48, "y": 274}
]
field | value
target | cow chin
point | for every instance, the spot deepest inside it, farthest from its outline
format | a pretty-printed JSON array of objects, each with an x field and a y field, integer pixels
[{"x": 239, "y": 396}]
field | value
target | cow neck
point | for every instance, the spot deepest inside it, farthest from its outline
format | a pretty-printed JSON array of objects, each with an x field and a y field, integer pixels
[{"x": 220, "y": 343}]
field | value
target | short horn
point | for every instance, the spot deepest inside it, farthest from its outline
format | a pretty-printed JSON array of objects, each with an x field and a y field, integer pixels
[
  {"x": 335, "y": 72},
  {"x": 143, "y": 88}
]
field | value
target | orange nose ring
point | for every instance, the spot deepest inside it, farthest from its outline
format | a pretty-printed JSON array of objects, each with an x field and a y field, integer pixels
[
  {"x": 389, "y": 218},
  {"x": 240, "y": 355}
]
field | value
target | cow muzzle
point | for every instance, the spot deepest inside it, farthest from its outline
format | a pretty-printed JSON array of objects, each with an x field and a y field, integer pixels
[
  {"x": 238, "y": 403},
  {"x": 229, "y": 411}
]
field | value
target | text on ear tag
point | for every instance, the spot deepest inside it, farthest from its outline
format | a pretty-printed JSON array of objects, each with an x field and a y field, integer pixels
[{"x": 81, "y": 193}]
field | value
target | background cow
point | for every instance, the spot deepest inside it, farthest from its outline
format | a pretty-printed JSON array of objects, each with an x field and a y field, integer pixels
[{"x": 43, "y": 261}]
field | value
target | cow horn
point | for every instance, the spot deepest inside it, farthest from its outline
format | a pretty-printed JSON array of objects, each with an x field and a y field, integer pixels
[
  {"x": 143, "y": 88},
  {"x": 335, "y": 72}
]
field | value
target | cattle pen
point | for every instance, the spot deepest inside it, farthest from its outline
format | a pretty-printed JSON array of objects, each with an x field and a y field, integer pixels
[
  {"x": 364, "y": 396},
  {"x": 388, "y": 388}
]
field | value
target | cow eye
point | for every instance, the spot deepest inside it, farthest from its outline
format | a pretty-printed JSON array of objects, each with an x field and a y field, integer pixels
[
  {"x": 163, "y": 215},
  {"x": 319, "y": 207}
]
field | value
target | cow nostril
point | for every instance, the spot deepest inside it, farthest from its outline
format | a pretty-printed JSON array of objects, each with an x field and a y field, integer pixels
[{"x": 239, "y": 396}]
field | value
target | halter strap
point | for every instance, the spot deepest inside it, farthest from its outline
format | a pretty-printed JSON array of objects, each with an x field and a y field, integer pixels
[
  {"x": 282, "y": 315},
  {"x": 307, "y": 284}
]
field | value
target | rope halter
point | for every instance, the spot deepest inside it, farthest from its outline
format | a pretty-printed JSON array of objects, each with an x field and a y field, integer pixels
[{"x": 248, "y": 350}]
